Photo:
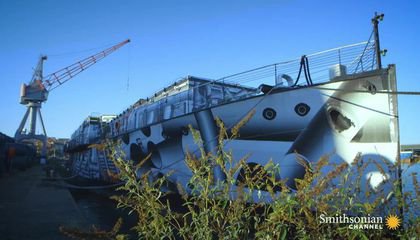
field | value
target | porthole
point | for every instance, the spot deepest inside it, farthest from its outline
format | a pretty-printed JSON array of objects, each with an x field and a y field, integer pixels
[
  {"x": 146, "y": 131},
  {"x": 372, "y": 89},
  {"x": 269, "y": 113},
  {"x": 302, "y": 109},
  {"x": 125, "y": 138},
  {"x": 136, "y": 153},
  {"x": 184, "y": 131}
]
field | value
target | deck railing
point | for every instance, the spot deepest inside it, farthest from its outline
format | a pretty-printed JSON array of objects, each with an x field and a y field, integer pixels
[{"x": 356, "y": 58}]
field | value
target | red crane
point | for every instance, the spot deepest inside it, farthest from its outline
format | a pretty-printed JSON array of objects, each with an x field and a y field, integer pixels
[{"x": 36, "y": 92}]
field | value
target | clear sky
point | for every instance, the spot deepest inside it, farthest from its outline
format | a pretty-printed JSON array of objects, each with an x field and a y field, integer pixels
[{"x": 172, "y": 39}]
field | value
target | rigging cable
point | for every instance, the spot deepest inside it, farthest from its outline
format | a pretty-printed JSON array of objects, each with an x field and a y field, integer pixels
[
  {"x": 128, "y": 67},
  {"x": 414, "y": 93},
  {"x": 64, "y": 54}
]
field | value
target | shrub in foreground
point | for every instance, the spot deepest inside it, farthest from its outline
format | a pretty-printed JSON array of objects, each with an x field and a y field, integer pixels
[{"x": 260, "y": 205}]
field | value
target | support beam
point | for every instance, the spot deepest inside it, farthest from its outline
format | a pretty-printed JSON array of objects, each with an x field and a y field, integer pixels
[
  {"x": 32, "y": 114},
  {"x": 22, "y": 124},
  {"x": 209, "y": 134},
  {"x": 42, "y": 122}
]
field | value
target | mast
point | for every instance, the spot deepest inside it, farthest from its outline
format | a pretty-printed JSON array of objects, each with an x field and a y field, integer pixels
[{"x": 375, "y": 22}]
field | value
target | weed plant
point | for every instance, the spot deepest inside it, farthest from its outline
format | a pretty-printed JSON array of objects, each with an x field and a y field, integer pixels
[{"x": 259, "y": 205}]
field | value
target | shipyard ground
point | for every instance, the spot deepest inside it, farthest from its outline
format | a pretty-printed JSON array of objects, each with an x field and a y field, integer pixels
[{"x": 32, "y": 207}]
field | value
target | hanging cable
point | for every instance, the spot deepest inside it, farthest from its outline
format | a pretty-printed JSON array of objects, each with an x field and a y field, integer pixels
[
  {"x": 300, "y": 71},
  {"x": 307, "y": 70},
  {"x": 303, "y": 62}
]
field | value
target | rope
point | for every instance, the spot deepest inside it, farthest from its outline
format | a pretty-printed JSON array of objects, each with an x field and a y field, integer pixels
[
  {"x": 415, "y": 93},
  {"x": 55, "y": 179},
  {"x": 66, "y": 185}
]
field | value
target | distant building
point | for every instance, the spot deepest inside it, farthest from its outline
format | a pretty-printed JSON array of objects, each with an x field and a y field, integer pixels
[
  {"x": 55, "y": 148},
  {"x": 5, "y": 138},
  {"x": 410, "y": 147},
  {"x": 410, "y": 153}
]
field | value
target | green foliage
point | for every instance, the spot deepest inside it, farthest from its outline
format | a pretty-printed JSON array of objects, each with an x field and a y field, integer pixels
[
  {"x": 212, "y": 210},
  {"x": 260, "y": 206},
  {"x": 144, "y": 197}
]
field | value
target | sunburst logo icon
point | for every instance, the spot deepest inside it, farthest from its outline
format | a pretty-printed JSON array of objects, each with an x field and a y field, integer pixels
[{"x": 393, "y": 222}]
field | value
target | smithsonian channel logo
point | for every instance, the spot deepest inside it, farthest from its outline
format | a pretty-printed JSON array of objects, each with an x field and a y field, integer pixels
[{"x": 392, "y": 222}]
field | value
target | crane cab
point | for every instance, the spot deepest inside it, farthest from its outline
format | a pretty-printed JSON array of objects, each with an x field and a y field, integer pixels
[{"x": 34, "y": 92}]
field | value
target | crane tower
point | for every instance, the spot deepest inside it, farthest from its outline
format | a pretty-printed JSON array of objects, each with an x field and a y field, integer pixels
[{"x": 33, "y": 94}]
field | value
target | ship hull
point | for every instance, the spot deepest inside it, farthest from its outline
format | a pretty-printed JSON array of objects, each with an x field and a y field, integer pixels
[{"x": 349, "y": 119}]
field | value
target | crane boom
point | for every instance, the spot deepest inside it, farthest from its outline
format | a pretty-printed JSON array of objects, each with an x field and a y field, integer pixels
[{"x": 56, "y": 79}]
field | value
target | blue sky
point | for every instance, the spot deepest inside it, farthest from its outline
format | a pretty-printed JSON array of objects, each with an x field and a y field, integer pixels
[{"x": 172, "y": 39}]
